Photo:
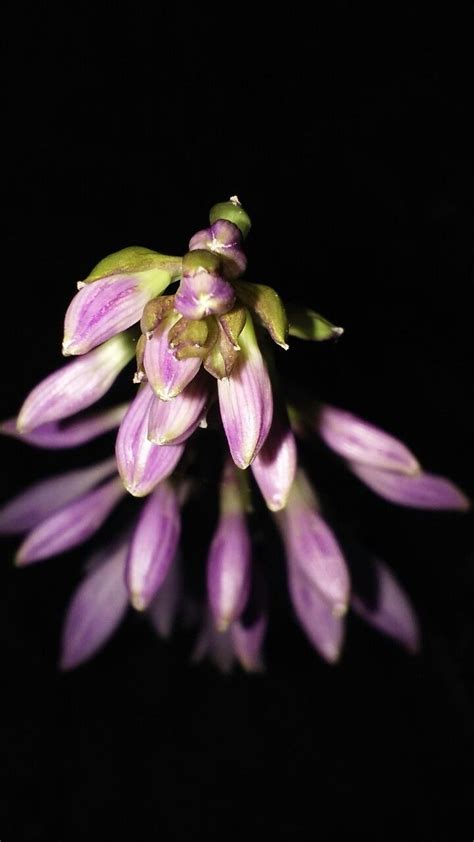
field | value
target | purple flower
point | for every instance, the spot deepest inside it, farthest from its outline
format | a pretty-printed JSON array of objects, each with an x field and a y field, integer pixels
[
  {"x": 76, "y": 386},
  {"x": 228, "y": 563},
  {"x": 246, "y": 402},
  {"x": 153, "y": 546},
  {"x": 212, "y": 327}
]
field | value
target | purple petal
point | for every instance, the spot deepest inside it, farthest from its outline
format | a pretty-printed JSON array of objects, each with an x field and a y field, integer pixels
[
  {"x": 274, "y": 467},
  {"x": 390, "y": 612},
  {"x": 173, "y": 422},
  {"x": 153, "y": 546},
  {"x": 167, "y": 375},
  {"x": 55, "y": 436},
  {"x": 107, "y": 307},
  {"x": 324, "y": 630},
  {"x": 358, "y": 441},
  {"x": 163, "y": 608},
  {"x": 218, "y": 646},
  {"x": 222, "y": 238},
  {"x": 96, "y": 609},
  {"x": 248, "y": 632},
  {"x": 245, "y": 400},
  {"x": 71, "y": 525},
  {"x": 76, "y": 386},
  {"x": 311, "y": 546},
  {"x": 421, "y": 491},
  {"x": 42, "y": 499},
  {"x": 228, "y": 570},
  {"x": 141, "y": 464}
]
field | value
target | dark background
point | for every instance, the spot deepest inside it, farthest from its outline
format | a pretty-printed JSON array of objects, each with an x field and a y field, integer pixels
[{"x": 349, "y": 144}]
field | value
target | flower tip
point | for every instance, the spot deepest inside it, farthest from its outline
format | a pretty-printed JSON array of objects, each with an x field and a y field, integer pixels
[
  {"x": 138, "y": 377},
  {"x": 223, "y": 624},
  {"x": 337, "y": 331},
  {"x": 283, "y": 345},
  {"x": 67, "y": 348},
  {"x": 277, "y": 502},
  {"x": 340, "y": 609},
  {"x": 137, "y": 601},
  {"x": 19, "y": 559}
]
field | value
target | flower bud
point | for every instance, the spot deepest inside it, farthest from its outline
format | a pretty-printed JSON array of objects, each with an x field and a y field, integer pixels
[
  {"x": 223, "y": 238},
  {"x": 268, "y": 308},
  {"x": 233, "y": 212},
  {"x": 203, "y": 291}
]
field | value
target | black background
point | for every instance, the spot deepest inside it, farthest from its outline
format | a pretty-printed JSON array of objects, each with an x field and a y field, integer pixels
[{"x": 348, "y": 143}]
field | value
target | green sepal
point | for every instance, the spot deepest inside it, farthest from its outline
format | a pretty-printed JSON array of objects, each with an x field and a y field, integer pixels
[
  {"x": 155, "y": 311},
  {"x": 233, "y": 323},
  {"x": 188, "y": 338},
  {"x": 222, "y": 357},
  {"x": 135, "y": 259},
  {"x": 306, "y": 324},
  {"x": 267, "y": 306},
  {"x": 233, "y": 212}
]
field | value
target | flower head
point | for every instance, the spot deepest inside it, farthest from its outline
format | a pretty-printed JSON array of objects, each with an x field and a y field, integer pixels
[{"x": 203, "y": 341}]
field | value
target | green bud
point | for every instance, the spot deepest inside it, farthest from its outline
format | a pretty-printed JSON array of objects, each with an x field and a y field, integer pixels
[
  {"x": 139, "y": 375},
  {"x": 306, "y": 324},
  {"x": 201, "y": 260},
  {"x": 154, "y": 311},
  {"x": 233, "y": 212},
  {"x": 222, "y": 357},
  {"x": 267, "y": 306},
  {"x": 135, "y": 259},
  {"x": 233, "y": 323}
]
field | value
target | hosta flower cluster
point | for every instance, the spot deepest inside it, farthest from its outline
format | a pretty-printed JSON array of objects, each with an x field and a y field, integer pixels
[{"x": 202, "y": 339}]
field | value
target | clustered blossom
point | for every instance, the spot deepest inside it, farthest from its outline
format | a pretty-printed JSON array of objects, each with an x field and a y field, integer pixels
[{"x": 201, "y": 335}]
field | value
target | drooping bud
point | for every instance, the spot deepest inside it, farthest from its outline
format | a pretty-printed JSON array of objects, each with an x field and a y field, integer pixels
[
  {"x": 248, "y": 632},
  {"x": 75, "y": 386},
  {"x": 73, "y": 524},
  {"x": 311, "y": 546},
  {"x": 109, "y": 303},
  {"x": 96, "y": 609},
  {"x": 323, "y": 628},
  {"x": 359, "y": 441},
  {"x": 387, "y": 608},
  {"x": 164, "y": 607},
  {"x": 228, "y": 564},
  {"x": 268, "y": 308},
  {"x": 203, "y": 291},
  {"x": 153, "y": 546},
  {"x": 223, "y": 238},
  {"x": 233, "y": 212},
  {"x": 140, "y": 375},
  {"x": 141, "y": 464},
  {"x": 245, "y": 400},
  {"x": 222, "y": 356},
  {"x": 306, "y": 324},
  {"x": 173, "y": 422},
  {"x": 274, "y": 467},
  {"x": 56, "y": 436},
  {"x": 420, "y": 491},
  {"x": 167, "y": 375},
  {"x": 42, "y": 499}
]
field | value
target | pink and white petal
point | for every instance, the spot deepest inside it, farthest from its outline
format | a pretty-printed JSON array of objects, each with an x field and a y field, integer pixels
[
  {"x": 153, "y": 546},
  {"x": 359, "y": 441},
  {"x": 274, "y": 468},
  {"x": 96, "y": 609},
  {"x": 166, "y": 375},
  {"x": 389, "y": 610},
  {"x": 245, "y": 401},
  {"x": 107, "y": 307},
  {"x": 420, "y": 491},
  {"x": 324, "y": 630},
  {"x": 42, "y": 499},
  {"x": 173, "y": 422},
  {"x": 71, "y": 525},
  {"x": 142, "y": 464},
  {"x": 76, "y": 386},
  {"x": 57, "y": 436},
  {"x": 163, "y": 608}
]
